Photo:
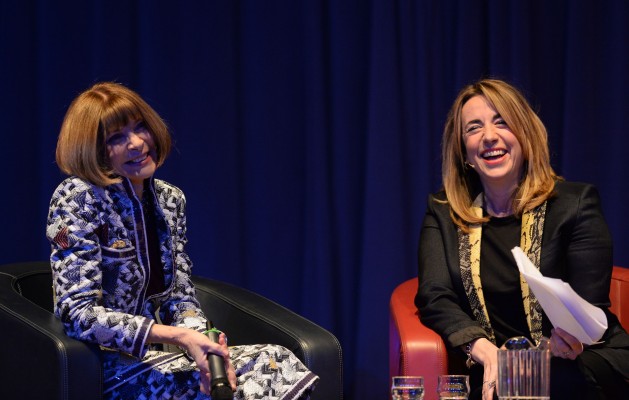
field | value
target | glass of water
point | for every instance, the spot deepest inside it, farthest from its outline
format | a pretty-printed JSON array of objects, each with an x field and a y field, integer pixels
[
  {"x": 407, "y": 388},
  {"x": 453, "y": 387}
]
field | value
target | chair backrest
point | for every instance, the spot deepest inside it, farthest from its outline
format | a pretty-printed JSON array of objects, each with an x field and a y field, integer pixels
[
  {"x": 37, "y": 287},
  {"x": 33, "y": 280}
]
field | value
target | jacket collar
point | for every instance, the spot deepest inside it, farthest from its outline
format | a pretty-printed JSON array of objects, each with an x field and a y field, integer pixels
[{"x": 127, "y": 186}]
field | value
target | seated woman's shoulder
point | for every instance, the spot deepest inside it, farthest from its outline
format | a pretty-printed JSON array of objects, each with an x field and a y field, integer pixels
[
  {"x": 74, "y": 185},
  {"x": 168, "y": 188},
  {"x": 571, "y": 187},
  {"x": 438, "y": 196}
]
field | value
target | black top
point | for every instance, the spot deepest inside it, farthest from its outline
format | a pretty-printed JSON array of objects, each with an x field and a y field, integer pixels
[
  {"x": 500, "y": 278},
  {"x": 156, "y": 278}
]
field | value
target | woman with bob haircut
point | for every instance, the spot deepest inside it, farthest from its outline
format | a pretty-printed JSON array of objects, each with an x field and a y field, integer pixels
[
  {"x": 499, "y": 192},
  {"x": 121, "y": 275},
  {"x": 81, "y": 148}
]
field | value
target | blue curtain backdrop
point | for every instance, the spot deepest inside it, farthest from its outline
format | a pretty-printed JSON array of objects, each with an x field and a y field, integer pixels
[{"x": 307, "y": 132}]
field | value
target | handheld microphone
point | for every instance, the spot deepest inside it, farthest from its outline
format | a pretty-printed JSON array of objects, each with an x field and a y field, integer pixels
[{"x": 220, "y": 388}]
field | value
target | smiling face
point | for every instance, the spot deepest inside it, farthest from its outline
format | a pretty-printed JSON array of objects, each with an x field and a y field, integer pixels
[
  {"x": 132, "y": 153},
  {"x": 490, "y": 146}
]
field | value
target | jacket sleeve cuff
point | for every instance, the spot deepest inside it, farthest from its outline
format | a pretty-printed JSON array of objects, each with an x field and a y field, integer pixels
[
  {"x": 140, "y": 346},
  {"x": 465, "y": 335}
]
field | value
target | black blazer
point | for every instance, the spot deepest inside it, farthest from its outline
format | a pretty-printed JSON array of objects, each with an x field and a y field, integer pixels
[{"x": 576, "y": 247}]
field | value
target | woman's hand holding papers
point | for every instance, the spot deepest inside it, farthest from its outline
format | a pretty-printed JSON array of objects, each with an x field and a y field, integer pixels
[{"x": 564, "y": 345}]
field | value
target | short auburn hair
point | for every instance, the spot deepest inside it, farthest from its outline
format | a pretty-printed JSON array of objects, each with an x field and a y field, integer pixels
[
  {"x": 103, "y": 108},
  {"x": 462, "y": 183}
]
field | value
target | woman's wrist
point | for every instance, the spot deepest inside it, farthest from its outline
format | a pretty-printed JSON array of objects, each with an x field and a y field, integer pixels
[
  {"x": 167, "y": 334},
  {"x": 482, "y": 351},
  {"x": 467, "y": 349}
]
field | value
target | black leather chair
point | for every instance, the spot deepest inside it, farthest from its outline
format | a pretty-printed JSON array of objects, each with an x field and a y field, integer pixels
[{"x": 38, "y": 360}]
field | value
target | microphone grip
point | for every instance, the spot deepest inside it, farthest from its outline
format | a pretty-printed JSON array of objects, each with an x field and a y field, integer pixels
[{"x": 220, "y": 388}]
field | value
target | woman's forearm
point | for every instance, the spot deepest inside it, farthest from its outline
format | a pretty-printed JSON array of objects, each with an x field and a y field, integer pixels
[{"x": 167, "y": 334}]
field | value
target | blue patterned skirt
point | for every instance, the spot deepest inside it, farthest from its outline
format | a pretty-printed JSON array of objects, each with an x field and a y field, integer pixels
[{"x": 263, "y": 372}]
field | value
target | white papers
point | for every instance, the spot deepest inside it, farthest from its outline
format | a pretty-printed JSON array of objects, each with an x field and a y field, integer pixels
[{"x": 563, "y": 306}]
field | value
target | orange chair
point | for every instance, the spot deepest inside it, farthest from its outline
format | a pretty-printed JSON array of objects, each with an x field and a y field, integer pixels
[{"x": 417, "y": 350}]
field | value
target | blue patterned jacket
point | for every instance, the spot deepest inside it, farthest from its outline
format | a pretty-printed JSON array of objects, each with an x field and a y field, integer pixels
[{"x": 100, "y": 263}]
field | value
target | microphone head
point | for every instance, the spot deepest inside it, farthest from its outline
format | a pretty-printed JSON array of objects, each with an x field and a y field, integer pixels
[{"x": 221, "y": 390}]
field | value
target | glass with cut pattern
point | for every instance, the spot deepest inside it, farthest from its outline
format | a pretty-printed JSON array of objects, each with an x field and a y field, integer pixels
[
  {"x": 453, "y": 387},
  {"x": 524, "y": 370},
  {"x": 407, "y": 388}
]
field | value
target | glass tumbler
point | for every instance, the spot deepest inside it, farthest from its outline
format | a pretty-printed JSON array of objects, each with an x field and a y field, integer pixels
[
  {"x": 453, "y": 387},
  {"x": 407, "y": 388}
]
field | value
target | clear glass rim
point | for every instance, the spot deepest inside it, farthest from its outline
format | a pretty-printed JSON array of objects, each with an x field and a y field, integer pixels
[{"x": 403, "y": 378}]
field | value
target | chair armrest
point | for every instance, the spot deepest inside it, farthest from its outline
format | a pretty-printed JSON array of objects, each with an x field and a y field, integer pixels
[
  {"x": 619, "y": 295},
  {"x": 249, "y": 318},
  {"x": 39, "y": 361},
  {"x": 414, "y": 349}
]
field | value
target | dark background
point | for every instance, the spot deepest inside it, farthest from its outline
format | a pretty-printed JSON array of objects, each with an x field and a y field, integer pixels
[{"x": 307, "y": 132}]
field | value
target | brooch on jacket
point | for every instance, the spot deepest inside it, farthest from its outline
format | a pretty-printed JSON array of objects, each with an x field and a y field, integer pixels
[{"x": 119, "y": 244}]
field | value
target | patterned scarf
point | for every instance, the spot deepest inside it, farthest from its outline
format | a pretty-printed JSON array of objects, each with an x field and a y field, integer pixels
[{"x": 469, "y": 260}]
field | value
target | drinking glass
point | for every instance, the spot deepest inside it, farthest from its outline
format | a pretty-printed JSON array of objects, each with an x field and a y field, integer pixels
[
  {"x": 407, "y": 388},
  {"x": 453, "y": 387}
]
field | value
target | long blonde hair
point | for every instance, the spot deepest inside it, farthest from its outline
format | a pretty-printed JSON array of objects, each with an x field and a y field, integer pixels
[
  {"x": 461, "y": 182},
  {"x": 104, "y": 107}
]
